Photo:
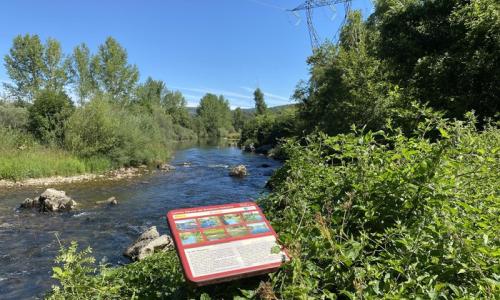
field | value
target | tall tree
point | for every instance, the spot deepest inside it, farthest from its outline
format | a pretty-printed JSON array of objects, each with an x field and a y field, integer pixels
[
  {"x": 56, "y": 67},
  {"x": 113, "y": 73},
  {"x": 175, "y": 105},
  {"x": 25, "y": 66},
  {"x": 150, "y": 93},
  {"x": 81, "y": 73},
  {"x": 260, "y": 104},
  {"x": 215, "y": 114},
  {"x": 238, "y": 119},
  {"x": 445, "y": 51}
]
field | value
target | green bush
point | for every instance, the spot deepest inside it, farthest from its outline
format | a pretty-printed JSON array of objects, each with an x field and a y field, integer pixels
[
  {"x": 48, "y": 115},
  {"x": 382, "y": 215},
  {"x": 13, "y": 116},
  {"x": 156, "y": 277},
  {"x": 269, "y": 128},
  {"x": 126, "y": 136}
]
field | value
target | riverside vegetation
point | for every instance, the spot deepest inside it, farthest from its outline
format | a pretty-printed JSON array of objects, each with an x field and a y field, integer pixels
[
  {"x": 390, "y": 184},
  {"x": 112, "y": 121}
]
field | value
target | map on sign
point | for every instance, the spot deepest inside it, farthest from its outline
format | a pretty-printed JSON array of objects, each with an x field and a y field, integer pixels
[{"x": 224, "y": 242}]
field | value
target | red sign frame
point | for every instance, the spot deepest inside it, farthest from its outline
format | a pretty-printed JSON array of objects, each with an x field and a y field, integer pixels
[{"x": 200, "y": 233}]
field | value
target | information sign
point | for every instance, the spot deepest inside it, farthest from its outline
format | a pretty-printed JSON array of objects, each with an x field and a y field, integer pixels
[{"x": 224, "y": 242}]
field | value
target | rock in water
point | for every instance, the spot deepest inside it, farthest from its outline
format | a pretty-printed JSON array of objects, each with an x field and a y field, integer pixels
[
  {"x": 50, "y": 200},
  {"x": 239, "y": 171},
  {"x": 110, "y": 201},
  {"x": 166, "y": 167},
  {"x": 148, "y": 243}
]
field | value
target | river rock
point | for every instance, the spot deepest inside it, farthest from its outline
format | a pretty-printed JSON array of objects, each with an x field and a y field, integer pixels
[
  {"x": 265, "y": 165},
  {"x": 166, "y": 167},
  {"x": 249, "y": 148},
  {"x": 239, "y": 171},
  {"x": 148, "y": 243},
  {"x": 110, "y": 201},
  {"x": 50, "y": 200}
]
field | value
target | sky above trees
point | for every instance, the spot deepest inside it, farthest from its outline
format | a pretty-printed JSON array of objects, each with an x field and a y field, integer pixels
[{"x": 223, "y": 47}]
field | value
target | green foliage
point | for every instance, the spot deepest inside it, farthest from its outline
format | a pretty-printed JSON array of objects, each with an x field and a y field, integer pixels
[
  {"x": 12, "y": 116},
  {"x": 127, "y": 136},
  {"x": 83, "y": 79},
  {"x": 238, "y": 119},
  {"x": 22, "y": 157},
  {"x": 383, "y": 215},
  {"x": 112, "y": 72},
  {"x": 25, "y": 64},
  {"x": 48, "y": 115},
  {"x": 156, "y": 277},
  {"x": 270, "y": 128},
  {"x": 175, "y": 105},
  {"x": 445, "y": 51},
  {"x": 347, "y": 84},
  {"x": 214, "y": 116},
  {"x": 260, "y": 104}
]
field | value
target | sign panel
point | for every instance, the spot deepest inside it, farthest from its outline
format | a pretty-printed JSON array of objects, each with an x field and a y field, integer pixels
[{"x": 224, "y": 242}]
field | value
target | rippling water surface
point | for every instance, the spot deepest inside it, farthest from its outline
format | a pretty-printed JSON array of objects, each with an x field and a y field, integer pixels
[{"x": 27, "y": 238}]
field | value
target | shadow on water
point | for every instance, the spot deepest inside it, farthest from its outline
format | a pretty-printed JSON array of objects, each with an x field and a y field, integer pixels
[{"x": 27, "y": 238}]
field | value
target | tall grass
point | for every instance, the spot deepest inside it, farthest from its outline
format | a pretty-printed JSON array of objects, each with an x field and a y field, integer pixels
[{"x": 22, "y": 157}]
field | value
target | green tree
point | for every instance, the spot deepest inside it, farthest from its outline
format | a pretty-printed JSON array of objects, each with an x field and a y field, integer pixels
[
  {"x": 347, "y": 83},
  {"x": 56, "y": 67},
  {"x": 174, "y": 104},
  {"x": 445, "y": 51},
  {"x": 81, "y": 73},
  {"x": 214, "y": 114},
  {"x": 25, "y": 65},
  {"x": 150, "y": 93},
  {"x": 48, "y": 115},
  {"x": 114, "y": 74},
  {"x": 33, "y": 66},
  {"x": 260, "y": 104},
  {"x": 238, "y": 119}
]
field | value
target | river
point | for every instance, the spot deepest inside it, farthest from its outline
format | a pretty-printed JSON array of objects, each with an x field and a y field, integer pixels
[{"x": 28, "y": 244}]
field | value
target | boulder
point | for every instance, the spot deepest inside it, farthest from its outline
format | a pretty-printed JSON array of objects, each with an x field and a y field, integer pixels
[
  {"x": 109, "y": 201},
  {"x": 166, "y": 167},
  {"x": 249, "y": 148},
  {"x": 148, "y": 243},
  {"x": 239, "y": 171},
  {"x": 50, "y": 200}
]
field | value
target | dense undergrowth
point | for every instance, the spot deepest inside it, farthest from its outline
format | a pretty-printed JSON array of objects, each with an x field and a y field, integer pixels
[{"x": 364, "y": 215}]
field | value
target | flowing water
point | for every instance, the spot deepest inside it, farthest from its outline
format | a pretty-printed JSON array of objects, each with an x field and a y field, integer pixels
[{"x": 28, "y": 243}]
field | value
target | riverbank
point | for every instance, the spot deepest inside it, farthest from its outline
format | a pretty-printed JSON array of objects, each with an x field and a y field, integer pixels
[{"x": 118, "y": 174}]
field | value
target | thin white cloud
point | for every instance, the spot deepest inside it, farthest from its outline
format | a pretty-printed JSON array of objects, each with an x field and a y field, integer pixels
[
  {"x": 236, "y": 99},
  {"x": 273, "y": 96}
]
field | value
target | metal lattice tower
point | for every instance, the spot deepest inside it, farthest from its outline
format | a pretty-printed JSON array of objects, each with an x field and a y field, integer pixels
[{"x": 309, "y": 6}]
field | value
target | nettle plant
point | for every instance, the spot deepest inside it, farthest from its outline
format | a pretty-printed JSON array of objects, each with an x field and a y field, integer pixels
[{"x": 381, "y": 214}]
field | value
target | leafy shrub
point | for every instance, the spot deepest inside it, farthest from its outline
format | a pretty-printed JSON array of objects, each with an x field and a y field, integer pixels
[
  {"x": 382, "y": 215},
  {"x": 269, "y": 128},
  {"x": 156, "y": 277},
  {"x": 127, "y": 137},
  {"x": 13, "y": 116},
  {"x": 48, "y": 115}
]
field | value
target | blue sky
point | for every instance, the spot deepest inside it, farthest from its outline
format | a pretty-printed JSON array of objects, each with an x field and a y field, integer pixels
[{"x": 225, "y": 47}]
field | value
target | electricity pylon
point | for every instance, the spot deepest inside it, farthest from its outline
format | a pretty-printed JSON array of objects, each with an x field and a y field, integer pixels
[{"x": 309, "y": 6}]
